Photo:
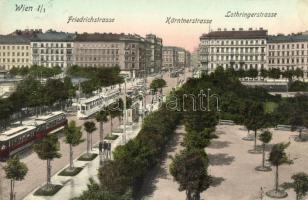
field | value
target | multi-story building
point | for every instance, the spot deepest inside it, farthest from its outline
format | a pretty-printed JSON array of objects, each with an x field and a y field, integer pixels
[
  {"x": 234, "y": 48},
  {"x": 14, "y": 52},
  {"x": 53, "y": 48},
  {"x": 288, "y": 52},
  {"x": 154, "y": 53},
  {"x": 175, "y": 57},
  {"x": 170, "y": 57},
  {"x": 195, "y": 60},
  {"x": 109, "y": 50}
]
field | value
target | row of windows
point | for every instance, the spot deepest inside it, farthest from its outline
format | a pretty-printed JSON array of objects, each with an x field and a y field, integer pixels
[
  {"x": 99, "y": 64},
  {"x": 97, "y": 58},
  {"x": 57, "y": 45},
  {"x": 233, "y": 50},
  {"x": 13, "y": 60},
  {"x": 237, "y": 66},
  {"x": 52, "y": 51},
  {"x": 283, "y": 61},
  {"x": 233, "y": 42},
  {"x": 98, "y": 45},
  {"x": 287, "y": 53},
  {"x": 97, "y": 51},
  {"x": 18, "y": 47},
  {"x": 287, "y": 46},
  {"x": 237, "y": 58},
  {"x": 13, "y": 54},
  {"x": 50, "y": 64}
]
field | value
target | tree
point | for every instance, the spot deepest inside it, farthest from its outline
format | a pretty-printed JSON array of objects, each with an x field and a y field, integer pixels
[
  {"x": 274, "y": 73},
  {"x": 15, "y": 171},
  {"x": 97, "y": 192},
  {"x": 114, "y": 110},
  {"x": 189, "y": 169},
  {"x": 278, "y": 157},
  {"x": 48, "y": 149},
  {"x": 297, "y": 122},
  {"x": 89, "y": 127},
  {"x": 254, "y": 118},
  {"x": 73, "y": 137},
  {"x": 300, "y": 184},
  {"x": 264, "y": 73},
  {"x": 252, "y": 73},
  {"x": 101, "y": 117},
  {"x": 265, "y": 137},
  {"x": 157, "y": 83}
]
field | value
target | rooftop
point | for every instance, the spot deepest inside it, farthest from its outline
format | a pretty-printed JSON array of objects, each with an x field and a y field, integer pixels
[
  {"x": 54, "y": 36},
  {"x": 235, "y": 34},
  {"x": 299, "y": 37},
  {"x": 109, "y": 37},
  {"x": 13, "y": 39}
]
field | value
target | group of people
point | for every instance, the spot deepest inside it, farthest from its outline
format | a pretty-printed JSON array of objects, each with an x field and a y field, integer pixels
[{"x": 105, "y": 149}]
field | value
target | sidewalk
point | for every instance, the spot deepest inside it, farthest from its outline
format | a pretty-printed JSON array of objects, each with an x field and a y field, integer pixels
[{"x": 74, "y": 185}]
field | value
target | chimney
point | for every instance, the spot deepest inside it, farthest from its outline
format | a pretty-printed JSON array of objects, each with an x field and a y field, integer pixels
[
  {"x": 225, "y": 29},
  {"x": 261, "y": 29},
  {"x": 250, "y": 29},
  {"x": 233, "y": 29},
  {"x": 219, "y": 29},
  {"x": 240, "y": 29}
]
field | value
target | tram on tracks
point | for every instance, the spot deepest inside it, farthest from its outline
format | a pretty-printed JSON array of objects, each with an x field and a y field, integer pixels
[{"x": 17, "y": 138}]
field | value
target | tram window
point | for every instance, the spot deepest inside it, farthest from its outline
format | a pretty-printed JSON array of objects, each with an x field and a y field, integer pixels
[{"x": 3, "y": 146}]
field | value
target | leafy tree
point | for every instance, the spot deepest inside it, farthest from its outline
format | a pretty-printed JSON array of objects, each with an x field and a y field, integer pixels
[
  {"x": 114, "y": 110},
  {"x": 274, "y": 73},
  {"x": 198, "y": 140},
  {"x": 265, "y": 137},
  {"x": 300, "y": 184},
  {"x": 297, "y": 122},
  {"x": 298, "y": 72},
  {"x": 264, "y": 73},
  {"x": 297, "y": 86},
  {"x": 252, "y": 73},
  {"x": 278, "y": 157},
  {"x": 157, "y": 83},
  {"x": 48, "y": 149},
  {"x": 89, "y": 127},
  {"x": 15, "y": 171},
  {"x": 98, "y": 192},
  {"x": 73, "y": 137},
  {"x": 189, "y": 169},
  {"x": 254, "y": 118},
  {"x": 101, "y": 117}
]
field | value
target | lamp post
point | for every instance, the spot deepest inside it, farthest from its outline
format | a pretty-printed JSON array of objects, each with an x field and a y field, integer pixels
[
  {"x": 208, "y": 99},
  {"x": 125, "y": 115}
]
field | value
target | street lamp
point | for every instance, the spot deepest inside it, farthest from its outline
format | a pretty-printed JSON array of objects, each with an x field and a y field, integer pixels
[
  {"x": 125, "y": 114},
  {"x": 208, "y": 99}
]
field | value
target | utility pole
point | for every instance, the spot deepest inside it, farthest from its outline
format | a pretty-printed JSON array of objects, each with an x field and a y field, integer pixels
[{"x": 125, "y": 115}]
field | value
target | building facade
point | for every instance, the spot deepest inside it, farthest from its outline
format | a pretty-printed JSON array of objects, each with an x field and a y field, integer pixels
[
  {"x": 170, "y": 57},
  {"x": 154, "y": 53},
  {"x": 52, "y": 49},
  {"x": 175, "y": 57},
  {"x": 14, "y": 52},
  {"x": 233, "y": 48},
  {"x": 110, "y": 50},
  {"x": 288, "y": 52}
]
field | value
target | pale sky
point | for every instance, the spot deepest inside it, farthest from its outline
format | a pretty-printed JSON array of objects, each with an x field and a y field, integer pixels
[{"x": 149, "y": 16}]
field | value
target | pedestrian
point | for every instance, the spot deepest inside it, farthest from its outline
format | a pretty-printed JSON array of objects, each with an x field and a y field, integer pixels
[
  {"x": 105, "y": 148},
  {"x": 109, "y": 150},
  {"x": 100, "y": 147}
]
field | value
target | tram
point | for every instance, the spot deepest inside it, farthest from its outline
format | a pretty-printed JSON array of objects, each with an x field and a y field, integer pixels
[{"x": 17, "y": 138}]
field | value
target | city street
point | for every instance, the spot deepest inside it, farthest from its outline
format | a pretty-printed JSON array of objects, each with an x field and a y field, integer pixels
[
  {"x": 37, "y": 168},
  {"x": 232, "y": 167}
]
